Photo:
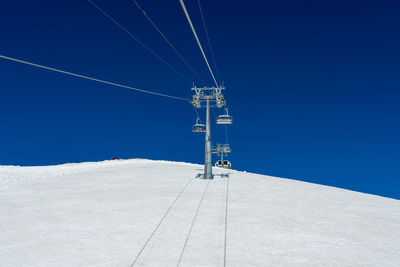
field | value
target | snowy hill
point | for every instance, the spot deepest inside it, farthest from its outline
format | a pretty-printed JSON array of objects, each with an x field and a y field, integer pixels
[{"x": 102, "y": 214}]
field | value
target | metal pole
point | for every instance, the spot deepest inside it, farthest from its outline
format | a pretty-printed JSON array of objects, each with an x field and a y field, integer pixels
[{"x": 208, "y": 160}]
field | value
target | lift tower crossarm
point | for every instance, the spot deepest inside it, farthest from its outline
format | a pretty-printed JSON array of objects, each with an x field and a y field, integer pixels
[{"x": 212, "y": 93}]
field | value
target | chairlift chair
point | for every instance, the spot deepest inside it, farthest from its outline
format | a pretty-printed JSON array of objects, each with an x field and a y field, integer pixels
[
  {"x": 224, "y": 119},
  {"x": 198, "y": 127}
]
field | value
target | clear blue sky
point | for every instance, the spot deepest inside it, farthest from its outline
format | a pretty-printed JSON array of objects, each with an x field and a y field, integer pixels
[{"x": 313, "y": 86}]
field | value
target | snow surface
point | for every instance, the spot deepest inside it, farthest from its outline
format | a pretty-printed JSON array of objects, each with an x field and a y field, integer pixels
[{"x": 101, "y": 214}]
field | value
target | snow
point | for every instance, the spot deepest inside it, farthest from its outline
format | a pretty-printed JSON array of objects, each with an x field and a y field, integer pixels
[{"x": 102, "y": 213}]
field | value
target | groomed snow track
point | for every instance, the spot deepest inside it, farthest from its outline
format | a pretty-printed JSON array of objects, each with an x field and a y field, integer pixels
[
  {"x": 177, "y": 214},
  {"x": 152, "y": 213}
]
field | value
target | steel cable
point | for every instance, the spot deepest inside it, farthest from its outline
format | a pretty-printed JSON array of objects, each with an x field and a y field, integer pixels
[
  {"x": 167, "y": 41},
  {"x": 90, "y": 78},
  {"x": 209, "y": 42},
  {"x": 139, "y": 41},
  {"x": 197, "y": 39}
]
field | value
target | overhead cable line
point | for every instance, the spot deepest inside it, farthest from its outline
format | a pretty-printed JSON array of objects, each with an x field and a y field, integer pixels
[
  {"x": 90, "y": 78},
  {"x": 168, "y": 42},
  {"x": 197, "y": 39},
  {"x": 160, "y": 222},
  {"x": 209, "y": 42},
  {"x": 139, "y": 41}
]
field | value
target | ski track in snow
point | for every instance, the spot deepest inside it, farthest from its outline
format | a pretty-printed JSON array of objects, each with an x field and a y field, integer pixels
[{"x": 102, "y": 213}]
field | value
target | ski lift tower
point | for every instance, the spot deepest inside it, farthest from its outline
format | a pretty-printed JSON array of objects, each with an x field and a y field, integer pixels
[{"x": 208, "y": 97}]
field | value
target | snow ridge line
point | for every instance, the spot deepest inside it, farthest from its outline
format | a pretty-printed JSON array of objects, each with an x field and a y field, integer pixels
[
  {"x": 160, "y": 222},
  {"x": 194, "y": 220}
]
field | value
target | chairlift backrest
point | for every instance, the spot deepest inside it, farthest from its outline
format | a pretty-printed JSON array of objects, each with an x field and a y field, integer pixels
[
  {"x": 198, "y": 127},
  {"x": 224, "y": 119}
]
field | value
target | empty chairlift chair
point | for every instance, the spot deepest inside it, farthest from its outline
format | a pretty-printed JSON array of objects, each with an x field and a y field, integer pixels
[
  {"x": 198, "y": 127},
  {"x": 224, "y": 119}
]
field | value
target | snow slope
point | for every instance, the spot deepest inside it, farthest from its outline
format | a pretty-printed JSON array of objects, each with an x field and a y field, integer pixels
[{"x": 102, "y": 213}]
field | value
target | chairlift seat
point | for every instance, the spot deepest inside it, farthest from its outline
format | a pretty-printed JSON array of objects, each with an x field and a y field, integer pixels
[
  {"x": 224, "y": 119},
  {"x": 199, "y": 128}
]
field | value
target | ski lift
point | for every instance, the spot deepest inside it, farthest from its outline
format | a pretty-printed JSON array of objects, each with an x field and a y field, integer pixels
[
  {"x": 223, "y": 164},
  {"x": 198, "y": 127},
  {"x": 224, "y": 119}
]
